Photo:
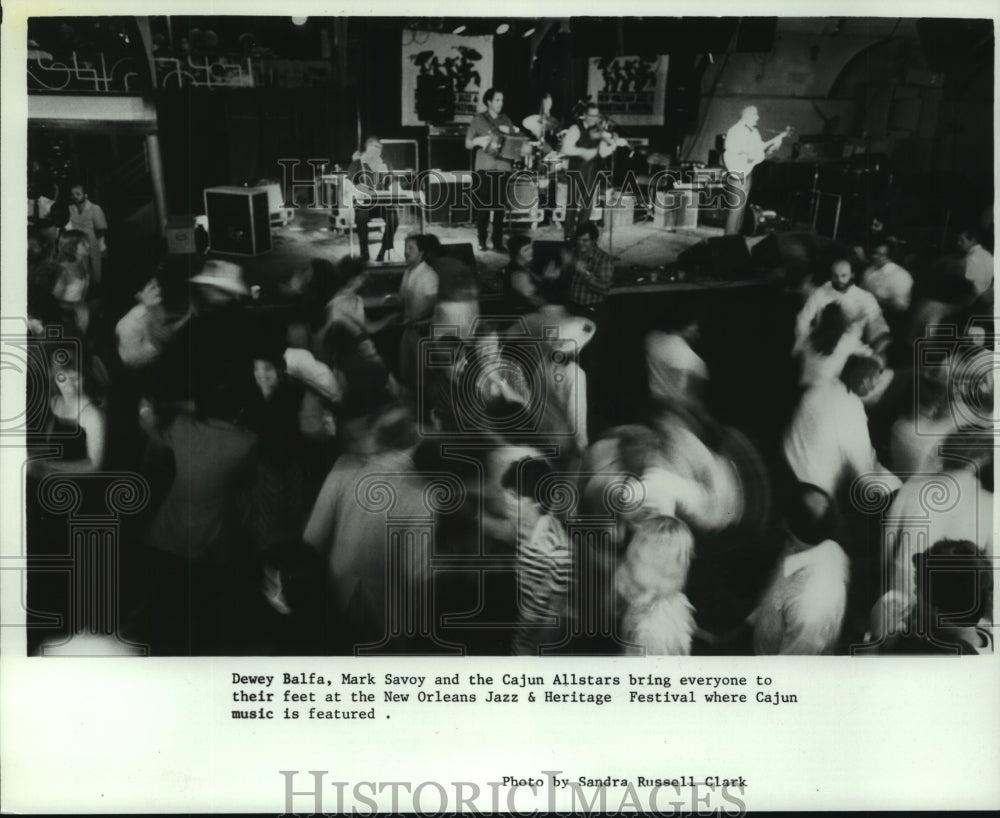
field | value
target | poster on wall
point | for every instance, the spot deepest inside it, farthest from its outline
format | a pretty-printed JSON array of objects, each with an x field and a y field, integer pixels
[
  {"x": 435, "y": 64},
  {"x": 630, "y": 90}
]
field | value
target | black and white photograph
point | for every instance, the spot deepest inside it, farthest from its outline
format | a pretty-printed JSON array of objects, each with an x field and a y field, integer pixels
[{"x": 339, "y": 339}]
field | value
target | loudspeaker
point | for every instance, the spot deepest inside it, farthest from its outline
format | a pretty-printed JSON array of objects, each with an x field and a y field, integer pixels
[
  {"x": 435, "y": 99},
  {"x": 726, "y": 258},
  {"x": 447, "y": 197},
  {"x": 238, "y": 220}
]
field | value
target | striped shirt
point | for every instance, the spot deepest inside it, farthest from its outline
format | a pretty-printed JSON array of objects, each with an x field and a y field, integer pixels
[{"x": 543, "y": 575}]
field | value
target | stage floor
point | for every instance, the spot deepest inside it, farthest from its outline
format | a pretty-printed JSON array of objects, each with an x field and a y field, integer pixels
[{"x": 634, "y": 248}]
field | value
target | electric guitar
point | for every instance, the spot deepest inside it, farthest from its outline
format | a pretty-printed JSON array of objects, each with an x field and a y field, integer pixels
[{"x": 744, "y": 162}]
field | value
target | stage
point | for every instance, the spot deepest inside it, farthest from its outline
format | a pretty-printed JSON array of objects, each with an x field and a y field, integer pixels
[{"x": 644, "y": 255}]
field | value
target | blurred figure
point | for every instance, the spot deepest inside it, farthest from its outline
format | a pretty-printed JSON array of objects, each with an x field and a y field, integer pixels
[
  {"x": 977, "y": 265},
  {"x": 419, "y": 294},
  {"x": 827, "y": 444},
  {"x": 75, "y": 419},
  {"x": 146, "y": 329},
  {"x": 951, "y": 612},
  {"x": 859, "y": 306},
  {"x": 89, "y": 218},
  {"x": 951, "y": 504},
  {"x": 524, "y": 290},
  {"x": 658, "y": 616},
  {"x": 677, "y": 374},
  {"x": 544, "y": 560},
  {"x": 351, "y": 537},
  {"x": 201, "y": 568},
  {"x": 831, "y": 342},
  {"x": 74, "y": 261},
  {"x": 802, "y": 610},
  {"x": 891, "y": 285}
]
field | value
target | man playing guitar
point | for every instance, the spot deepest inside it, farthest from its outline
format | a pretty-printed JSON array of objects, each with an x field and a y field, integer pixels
[
  {"x": 485, "y": 136},
  {"x": 744, "y": 151}
]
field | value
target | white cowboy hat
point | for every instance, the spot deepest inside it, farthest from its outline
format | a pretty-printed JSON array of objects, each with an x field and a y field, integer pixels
[{"x": 223, "y": 275}]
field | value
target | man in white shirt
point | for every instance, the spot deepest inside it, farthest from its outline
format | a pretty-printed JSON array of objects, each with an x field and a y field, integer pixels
[
  {"x": 89, "y": 218},
  {"x": 977, "y": 265},
  {"x": 744, "y": 151},
  {"x": 891, "y": 285},
  {"x": 860, "y": 307},
  {"x": 827, "y": 444}
]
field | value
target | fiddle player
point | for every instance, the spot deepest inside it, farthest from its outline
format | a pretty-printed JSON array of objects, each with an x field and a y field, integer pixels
[
  {"x": 582, "y": 144},
  {"x": 485, "y": 136}
]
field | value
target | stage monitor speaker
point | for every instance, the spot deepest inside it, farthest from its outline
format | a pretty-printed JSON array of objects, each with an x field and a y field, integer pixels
[
  {"x": 435, "y": 99},
  {"x": 725, "y": 258},
  {"x": 239, "y": 221}
]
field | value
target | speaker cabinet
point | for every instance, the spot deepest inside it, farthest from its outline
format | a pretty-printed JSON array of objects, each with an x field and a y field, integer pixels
[
  {"x": 447, "y": 197},
  {"x": 238, "y": 220}
]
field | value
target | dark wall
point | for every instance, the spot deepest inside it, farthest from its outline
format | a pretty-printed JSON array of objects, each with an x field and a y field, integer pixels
[{"x": 231, "y": 136}]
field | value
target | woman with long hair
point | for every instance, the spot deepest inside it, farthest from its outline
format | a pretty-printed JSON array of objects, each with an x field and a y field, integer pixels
[{"x": 72, "y": 406}]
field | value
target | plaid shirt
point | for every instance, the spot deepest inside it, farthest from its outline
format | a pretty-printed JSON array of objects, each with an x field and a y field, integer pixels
[{"x": 591, "y": 286}]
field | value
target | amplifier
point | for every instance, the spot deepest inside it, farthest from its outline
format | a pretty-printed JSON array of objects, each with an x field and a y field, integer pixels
[
  {"x": 446, "y": 197},
  {"x": 239, "y": 220}
]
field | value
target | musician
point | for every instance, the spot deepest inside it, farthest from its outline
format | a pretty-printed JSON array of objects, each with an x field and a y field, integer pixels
[
  {"x": 543, "y": 125},
  {"x": 582, "y": 144},
  {"x": 485, "y": 136},
  {"x": 744, "y": 151},
  {"x": 369, "y": 171},
  {"x": 545, "y": 128}
]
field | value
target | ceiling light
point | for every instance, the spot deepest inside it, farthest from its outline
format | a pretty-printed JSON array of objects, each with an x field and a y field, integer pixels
[
  {"x": 299, "y": 21},
  {"x": 529, "y": 32},
  {"x": 503, "y": 28},
  {"x": 458, "y": 29}
]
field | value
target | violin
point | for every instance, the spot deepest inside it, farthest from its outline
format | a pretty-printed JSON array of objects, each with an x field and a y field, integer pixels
[{"x": 609, "y": 140}]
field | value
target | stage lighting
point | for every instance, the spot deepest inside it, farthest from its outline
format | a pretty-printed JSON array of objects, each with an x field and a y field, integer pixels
[
  {"x": 299, "y": 21},
  {"x": 458, "y": 29},
  {"x": 503, "y": 28}
]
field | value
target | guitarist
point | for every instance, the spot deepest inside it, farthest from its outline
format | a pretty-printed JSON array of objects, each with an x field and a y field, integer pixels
[
  {"x": 744, "y": 151},
  {"x": 485, "y": 136}
]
